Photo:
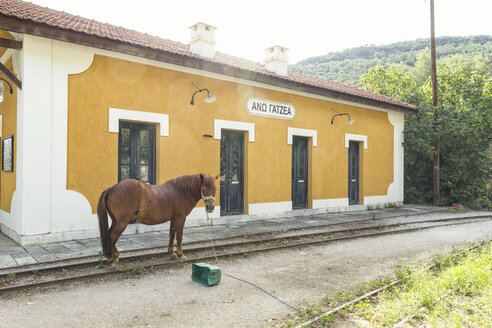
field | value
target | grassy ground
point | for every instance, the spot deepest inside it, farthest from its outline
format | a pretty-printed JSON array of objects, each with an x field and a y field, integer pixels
[{"x": 455, "y": 292}]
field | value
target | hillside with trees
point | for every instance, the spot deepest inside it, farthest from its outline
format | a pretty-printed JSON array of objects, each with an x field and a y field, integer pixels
[{"x": 348, "y": 66}]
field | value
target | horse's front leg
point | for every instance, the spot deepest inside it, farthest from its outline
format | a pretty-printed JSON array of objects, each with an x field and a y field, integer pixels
[
  {"x": 172, "y": 232},
  {"x": 179, "y": 236}
]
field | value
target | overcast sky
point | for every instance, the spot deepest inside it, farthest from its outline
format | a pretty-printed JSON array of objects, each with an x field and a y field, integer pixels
[{"x": 308, "y": 28}]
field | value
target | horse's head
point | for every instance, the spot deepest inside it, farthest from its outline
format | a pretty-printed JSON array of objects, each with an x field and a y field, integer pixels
[{"x": 208, "y": 191}]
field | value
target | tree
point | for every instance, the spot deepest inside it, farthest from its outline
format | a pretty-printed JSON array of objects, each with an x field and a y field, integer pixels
[
  {"x": 464, "y": 120},
  {"x": 392, "y": 82},
  {"x": 469, "y": 63}
]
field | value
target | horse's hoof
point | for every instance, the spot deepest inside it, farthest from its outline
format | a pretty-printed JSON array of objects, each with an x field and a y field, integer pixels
[
  {"x": 182, "y": 257},
  {"x": 114, "y": 262},
  {"x": 173, "y": 255}
]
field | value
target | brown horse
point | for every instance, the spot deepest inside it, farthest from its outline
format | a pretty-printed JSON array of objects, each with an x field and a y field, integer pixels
[{"x": 132, "y": 200}]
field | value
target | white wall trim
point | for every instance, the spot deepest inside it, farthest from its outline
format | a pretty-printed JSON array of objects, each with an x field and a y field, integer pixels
[
  {"x": 390, "y": 198},
  {"x": 233, "y": 125},
  {"x": 395, "y": 190},
  {"x": 303, "y": 133},
  {"x": 39, "y": 208},
  {"x": 330, "y": 203},
  {"x": 266, "y": 208},
  {"x": 116, "y": 114},
  {"x": 355, "y": 137}
]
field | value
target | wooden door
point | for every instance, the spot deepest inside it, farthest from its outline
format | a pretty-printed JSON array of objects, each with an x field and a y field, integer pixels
[
  {"x": 231, "y": 172},
  {"x": 299, "y": 172},
  {"x": 353, "y": 173}
]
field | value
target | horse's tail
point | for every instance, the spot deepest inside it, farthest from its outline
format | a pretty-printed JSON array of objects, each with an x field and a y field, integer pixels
[{"x": 102, "y": 213}]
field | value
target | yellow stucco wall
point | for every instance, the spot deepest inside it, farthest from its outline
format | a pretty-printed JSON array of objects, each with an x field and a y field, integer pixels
[
  {"x": 8, "y": 110},
  {"x": 116, "y": 83}
]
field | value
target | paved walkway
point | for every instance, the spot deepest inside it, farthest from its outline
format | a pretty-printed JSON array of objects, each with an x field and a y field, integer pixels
[{"x": 15, "y": 256}]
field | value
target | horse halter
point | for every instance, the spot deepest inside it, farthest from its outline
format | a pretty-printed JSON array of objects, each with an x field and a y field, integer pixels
[{"x": 205, "y": 198}]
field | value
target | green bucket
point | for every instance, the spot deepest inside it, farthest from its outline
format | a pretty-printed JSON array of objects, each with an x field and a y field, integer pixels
[{"x": 205, "y": 274}]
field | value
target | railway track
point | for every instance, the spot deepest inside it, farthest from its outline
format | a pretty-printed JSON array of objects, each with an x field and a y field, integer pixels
[{"x": 137, "y": 262}]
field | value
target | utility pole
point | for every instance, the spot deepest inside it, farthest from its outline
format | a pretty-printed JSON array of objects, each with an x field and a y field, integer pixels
[{"x": 436, "y": 197}]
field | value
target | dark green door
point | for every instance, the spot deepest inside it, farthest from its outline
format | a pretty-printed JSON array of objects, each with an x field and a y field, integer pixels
[
  {"x": 231, "y": 172},
  {"x": 299, "y": 172},
  {"x": 136, "y": 152},
  {"x": 353, "y": 174}
]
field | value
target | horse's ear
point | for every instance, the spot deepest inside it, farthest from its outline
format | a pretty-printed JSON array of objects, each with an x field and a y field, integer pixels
[
  {"x": 201, "y": 177},
  {"x": 218, "y": 175}
]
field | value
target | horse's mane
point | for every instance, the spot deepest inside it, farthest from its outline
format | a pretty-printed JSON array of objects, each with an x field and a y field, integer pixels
[{"x": 188, "y": 184}]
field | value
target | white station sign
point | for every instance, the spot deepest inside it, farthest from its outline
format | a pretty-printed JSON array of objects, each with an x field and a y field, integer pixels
[{"x": 269, "y": 108}]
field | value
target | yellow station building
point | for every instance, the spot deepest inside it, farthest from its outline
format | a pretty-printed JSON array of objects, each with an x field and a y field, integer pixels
[{"x": 93, "y": 104}]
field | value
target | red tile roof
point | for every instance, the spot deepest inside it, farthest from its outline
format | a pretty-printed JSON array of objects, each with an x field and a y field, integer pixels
[{"x": 29, "y": 12}]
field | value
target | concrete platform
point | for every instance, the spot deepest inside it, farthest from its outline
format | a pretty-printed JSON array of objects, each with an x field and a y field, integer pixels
[{"x": 15, "y": 256}]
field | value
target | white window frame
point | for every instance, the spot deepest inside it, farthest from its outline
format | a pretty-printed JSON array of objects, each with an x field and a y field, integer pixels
[
  {"x": 233, "y": 125},
  {"x": 116, "y": 114},
  {"x": 302, "y": 133},
  {"x": 355, "y": 137}
]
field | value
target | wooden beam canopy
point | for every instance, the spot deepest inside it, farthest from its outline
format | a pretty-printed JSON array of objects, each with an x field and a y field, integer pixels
[
  {"x": 11, "y": 76},
  {"x": 12, "y": 44}
]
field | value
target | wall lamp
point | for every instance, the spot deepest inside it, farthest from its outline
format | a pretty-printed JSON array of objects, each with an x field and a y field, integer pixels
[
  {"x": 2, "y": 90},
  {"x": 349, "y": 121},
  {"x": 208, "y": 99}
]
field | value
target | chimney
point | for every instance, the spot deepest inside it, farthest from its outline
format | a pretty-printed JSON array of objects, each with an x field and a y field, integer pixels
[
  {"x": 276, "y": 60},
  {"x": 202, "y": 40}
]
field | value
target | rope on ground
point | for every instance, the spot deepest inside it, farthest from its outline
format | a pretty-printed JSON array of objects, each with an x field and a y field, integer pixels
[{"x": 247, "y": 282}]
